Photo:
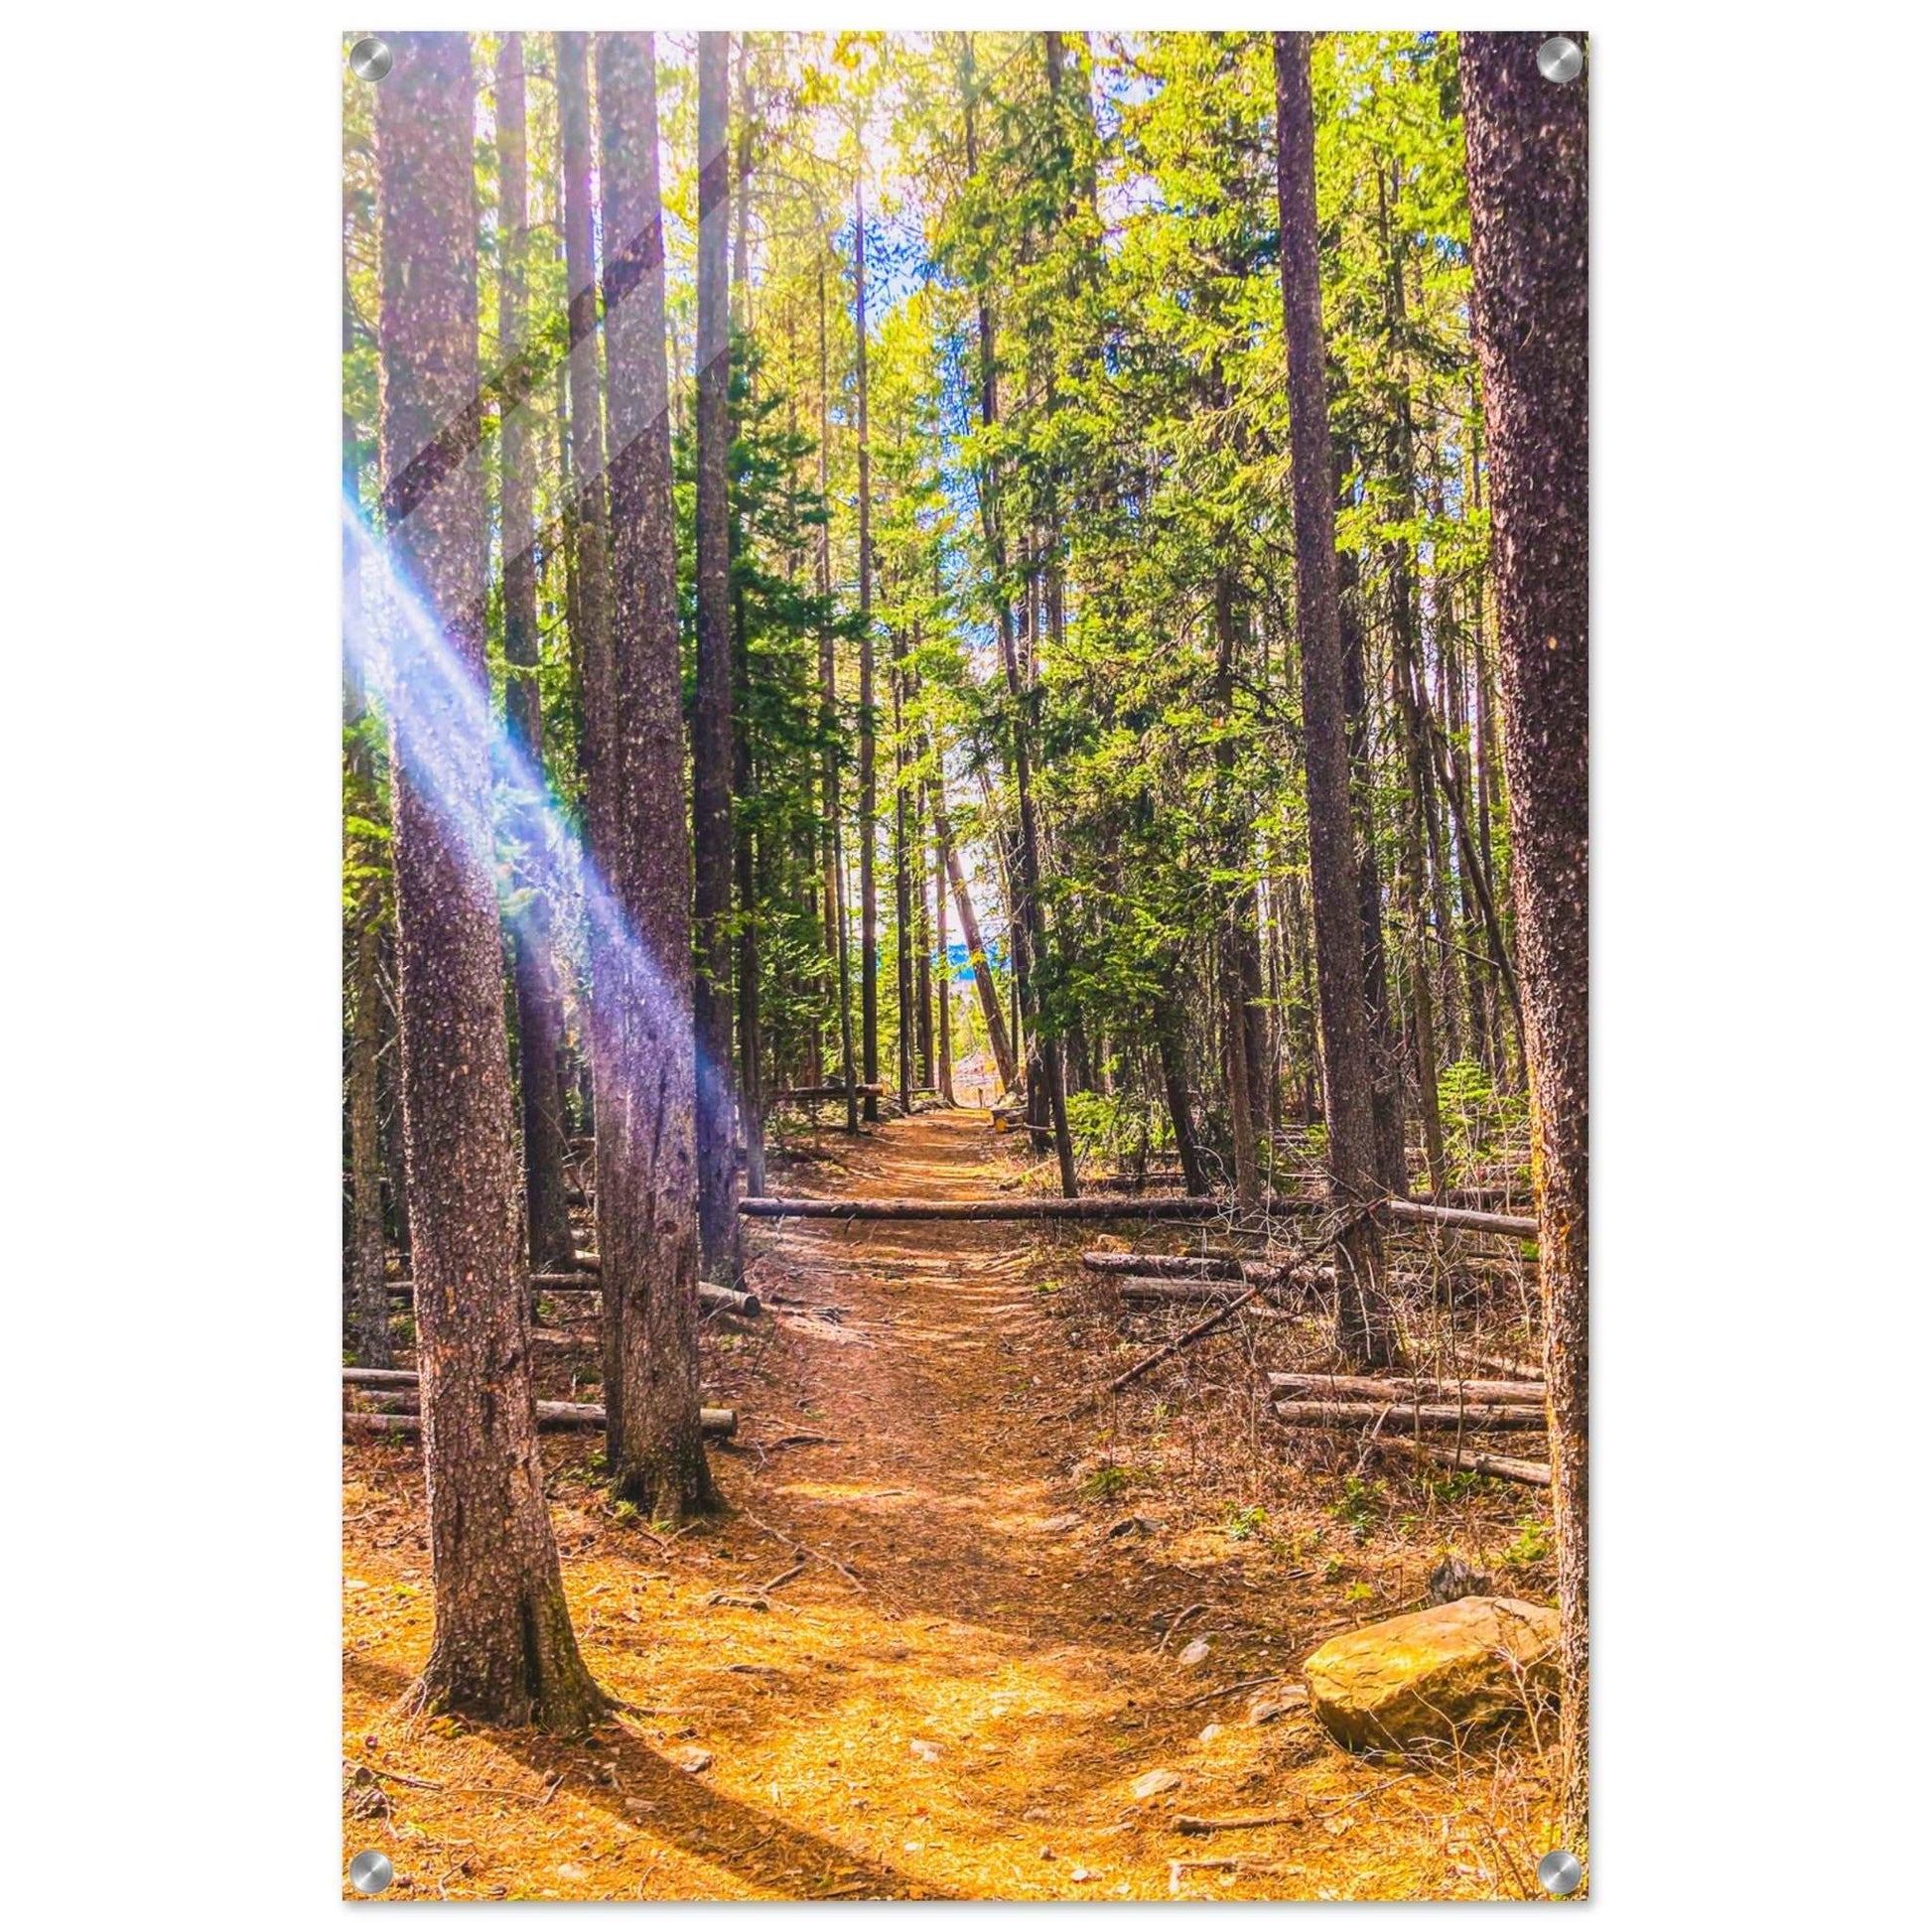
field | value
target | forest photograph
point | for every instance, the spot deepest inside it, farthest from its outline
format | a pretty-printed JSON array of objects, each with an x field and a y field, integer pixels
[{"x": 965, "y": 965}]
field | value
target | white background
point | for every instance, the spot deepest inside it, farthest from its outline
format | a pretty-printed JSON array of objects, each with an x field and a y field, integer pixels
[{"x": 1760, "y": 643}]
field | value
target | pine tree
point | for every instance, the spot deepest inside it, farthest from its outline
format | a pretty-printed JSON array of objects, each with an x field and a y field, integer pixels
[{"x": 502, "y": 1649}]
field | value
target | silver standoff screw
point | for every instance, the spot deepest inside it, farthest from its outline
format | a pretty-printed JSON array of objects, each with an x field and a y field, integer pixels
[
  {"x": 370, "y": 1871},
  {"x": 370, "y": 59},
  {"x": 1559, "y": 59},
  {"x": 1559, "y": 1872}
]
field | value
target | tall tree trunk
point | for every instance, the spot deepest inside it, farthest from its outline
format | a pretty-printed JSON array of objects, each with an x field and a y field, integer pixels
[
  {"x": 902, "y": 877},
  {"x": 1364, "y": 1328},
  {"x": 1408, "y": 712},
  {"x": 368, "y": 1294},
  {"x": 868, "y": 776},
  {"x": 837, "y": 940},
  {"x": 746, "y": 860},
  {"x": 1238, "y": 927},
  {"x": 1528, "y": 163},
  {"x": 588, "y": 518},
  {"x": 1384, "y": 1050},
  {"x": 751, "y": 1029},
  {"x": 646, "y": 1152},
  {"x": 502, "y": 1649},
  {"x": 711, "y": 733},
  {"x": 539, "y": 993}
]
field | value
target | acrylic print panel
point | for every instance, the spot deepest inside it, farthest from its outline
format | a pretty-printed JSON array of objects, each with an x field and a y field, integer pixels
[{"x": 965, "y": 995}]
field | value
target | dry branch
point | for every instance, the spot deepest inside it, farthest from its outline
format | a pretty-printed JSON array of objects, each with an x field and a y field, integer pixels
[
  {"x": 1511, "y": 1468},
  {"x": 1217, "y": 1268},
  {"x": 553, "y": 1415}
]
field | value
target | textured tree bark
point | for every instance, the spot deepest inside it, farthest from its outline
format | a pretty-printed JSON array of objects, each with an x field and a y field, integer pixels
[
  {"x": 711, "y": 730},
  {"x": 540, "y": 994},
  {"x": 647, "y": 1147},
  {"x": 502, "y": 1650},
  {"x": 868, "y": 776},
  {"x": 1528, "y": 167},
  {"x": 1365, "y": 1330},
  {"x": 588, "y": 518}
]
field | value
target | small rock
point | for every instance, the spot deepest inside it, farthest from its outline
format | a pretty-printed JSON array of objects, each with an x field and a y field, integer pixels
[
  {"x": 1048, "y": 1852},
  {"x": 1194, "y": 1653},
  {"x": 692, "y": 1758},
  {"x": 1266, "y": 1706},
  {"x": 1136, "y": 1526},
  {"x": 1058, "y": 1525},
  {"x": 572, "y": 1872},
  {"x": 1435, "y": 1676},
  {"x": 1151, "y": 1784},
  {"x": 1081, "y": 1876},
  {"x": 1453, "y": 1580},
  {"x": 1036, "y": 1814},
  {"x": 926, "y": 1753},
  {"x": 1209, "y": 1733}
]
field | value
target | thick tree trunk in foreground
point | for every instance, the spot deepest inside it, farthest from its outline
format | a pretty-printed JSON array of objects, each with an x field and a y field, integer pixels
[
  {"x": 646, "y": 1130},
  {"x": 1363, "y": 1328},
  {"x": 539, "y": 993},
  {"x": 711, "y": 733},
  {"x": 1529, "y": 165},
  {"x": 503, "y": 1650}
]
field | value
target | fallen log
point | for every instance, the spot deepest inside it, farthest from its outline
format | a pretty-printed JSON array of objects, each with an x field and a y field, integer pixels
[
  {"x": 1369, "y": 1388},
  {"x": 1425, "y": 1415},
  {"x": 793, "y": 1094},
  {"x": 1138, "y": 1290},
  {"x": 1048, "y": 1207},
  {"x": 710, "y": 1295},
  {"x": 550, "y": 1414},
  {"x": 1511, "y": 1468},
  {"x": 1522, "y": 1226},
  {"x": 1167, "y": 1207},
  {"x": 1219, "y": 1268},
  {"x": 1507, "y": 1365}
]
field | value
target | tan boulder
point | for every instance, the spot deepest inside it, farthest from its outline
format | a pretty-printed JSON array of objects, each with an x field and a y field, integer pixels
[{"x": 1436, "y": 1676}]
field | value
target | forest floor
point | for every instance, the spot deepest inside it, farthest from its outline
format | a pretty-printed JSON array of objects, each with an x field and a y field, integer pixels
[{"x": 988, "y": 1643}]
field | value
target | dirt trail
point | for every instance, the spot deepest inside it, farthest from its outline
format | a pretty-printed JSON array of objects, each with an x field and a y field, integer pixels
[{"x": 958, "y": 1694}]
